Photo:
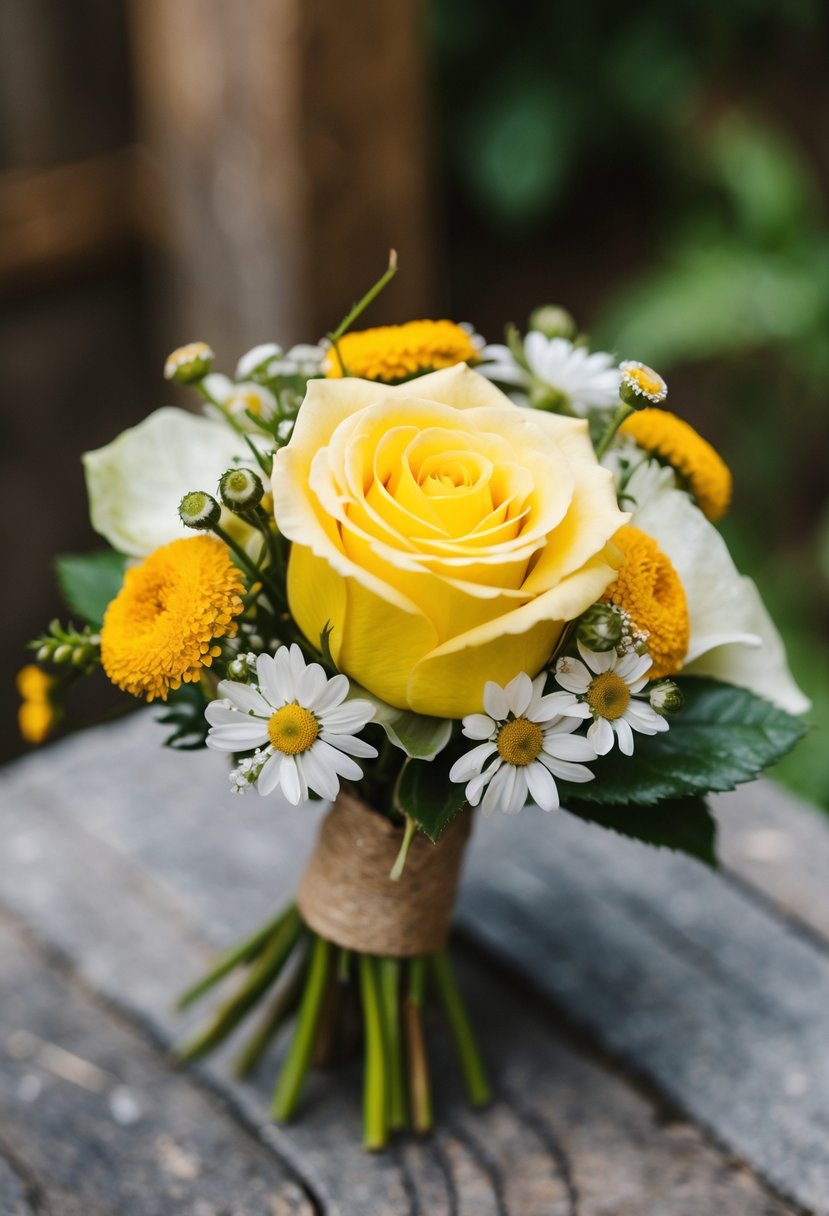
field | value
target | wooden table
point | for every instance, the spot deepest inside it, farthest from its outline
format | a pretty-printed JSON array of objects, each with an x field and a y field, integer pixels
[{"x": 657, "y": 1032}]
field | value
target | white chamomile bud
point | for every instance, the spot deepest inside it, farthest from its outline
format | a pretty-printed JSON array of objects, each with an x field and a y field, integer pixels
[
  {"x": 240, "y": 489},
  {"x": 61, "y": 654},
  {"x": 553, "y": 322},
  {"x": 189, "y": 363},
  {"x": 666, "y": 698},
  {"x": 199, "y": 510},
  {"x": 641, "y": 385}
]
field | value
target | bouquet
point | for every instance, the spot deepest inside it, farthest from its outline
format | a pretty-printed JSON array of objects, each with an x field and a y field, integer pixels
[{"x": 414, "y": 575}]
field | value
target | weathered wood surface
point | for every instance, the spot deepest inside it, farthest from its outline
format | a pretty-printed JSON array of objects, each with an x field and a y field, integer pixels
[{"x": 130, "y": 864}]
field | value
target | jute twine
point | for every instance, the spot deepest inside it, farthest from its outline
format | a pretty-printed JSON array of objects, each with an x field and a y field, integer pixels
[{"x": 346, "y": 894}]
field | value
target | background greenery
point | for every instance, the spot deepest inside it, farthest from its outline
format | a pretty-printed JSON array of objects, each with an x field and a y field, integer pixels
[{"x": 662, "y": 170}]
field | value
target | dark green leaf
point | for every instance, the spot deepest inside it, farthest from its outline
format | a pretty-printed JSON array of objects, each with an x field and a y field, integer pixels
[
  {"x": 184, "y": 712},
  {"x": 683, "y": 824},
  {"x": 723, "y": 736},
  {"x": 90, "y": 581},
  {"x": 425, "y": 792}
]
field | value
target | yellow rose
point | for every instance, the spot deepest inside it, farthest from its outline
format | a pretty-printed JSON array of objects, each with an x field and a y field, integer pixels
[{"x": 444, "y": 532}]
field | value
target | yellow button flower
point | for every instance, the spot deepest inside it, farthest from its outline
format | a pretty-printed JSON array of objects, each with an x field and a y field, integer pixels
[
  {"x": 392, "y": 353},
  {"x": 445, "y": 533}
]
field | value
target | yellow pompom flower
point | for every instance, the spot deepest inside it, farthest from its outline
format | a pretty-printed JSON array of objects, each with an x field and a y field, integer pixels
[
  {"x": 161, "y": 628},
  {"x": 699, "y": 467},
  {"x": 648, "y": 590},
  {"x": 36, "y": 716},
  {"x": 393, "y": 353}
]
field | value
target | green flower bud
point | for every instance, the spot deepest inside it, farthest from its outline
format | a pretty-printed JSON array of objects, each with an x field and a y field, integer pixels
[
  {"x": 666, "y": 698},
  {"x": 61, "y": 653},
  {"x": 641, "y": 386},
  {"x": 199, "y": 510},
  {"x": 600, "y": 628},
  {"x": 189, "y": 363},
  {"x": 553, "y": 322},
  {"x": 240, "y": 489}
]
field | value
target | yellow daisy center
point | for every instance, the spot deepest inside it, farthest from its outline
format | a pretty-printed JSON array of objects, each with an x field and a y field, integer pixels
[
  {"x": 647, "y": 381},
  {"x": 608, "y": 696},
  {"x": 161, "y": 628},
  {"x": 393, "y": 353},
  {"x": 519, "y": 741},
  {"x": 673, "y": 441},
  {"x": 649, "y": 590},
  {"x": 293, "y": 729}
]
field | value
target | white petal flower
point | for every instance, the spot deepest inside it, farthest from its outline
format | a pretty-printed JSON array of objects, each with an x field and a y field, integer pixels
[
  {"x": 254, "y": 359},
  {"x": 136, "y": 482},
  {"x": 528, "y": 742},
  {"x": 298, "y": 720},
  {"x": 240, "y": 400},
  {"x": 733, "y": 638},
  {"x": 301, "y": 360},
  {"x": 610, "y": 684},
  {"x": 586, "y": 381}
]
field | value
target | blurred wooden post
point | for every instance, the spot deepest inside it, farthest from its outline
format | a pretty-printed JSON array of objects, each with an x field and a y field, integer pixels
[{"x": 290, "y": 141}]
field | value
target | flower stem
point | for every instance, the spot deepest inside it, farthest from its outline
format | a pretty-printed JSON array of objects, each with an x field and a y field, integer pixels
[
  {"x": 267, "y": 968},
  {"x": 289, "y": 1086},
  {"x": 472, "y": 1067},
  {"x": 420, "y": 1092},
  {"x": 282, "y": 1006},
  {"x": 389, "y": 969},
  {"x": 408, "y": 836},
  {"x": 624, "y": 411},
  {"x": 362, "y": 304},
  {"x": 245, "y": 952},
  {"x": 375, "y": 1085}
]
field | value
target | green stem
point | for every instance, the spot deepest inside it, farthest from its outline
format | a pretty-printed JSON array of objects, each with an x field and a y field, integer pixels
[
  {"x": 472, "y": 1067},
  {"x": 624, "y": 411},
  {"x": 375, "y": 1086},
  {"x": 245, "y": 952},
  {"x": 263, "y": 974},
  {"x": 408, "y": 836},
  {"x": 280, "y": 1009},
  {"x": 389, "y": 969},
  {"x": 368, "y": 298},
  {"x": 420, "y": 1091},
  {"x": 288, "y": 1089}
]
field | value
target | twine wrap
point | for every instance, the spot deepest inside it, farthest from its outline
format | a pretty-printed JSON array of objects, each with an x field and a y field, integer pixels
[{"x": 346, "y": 894}]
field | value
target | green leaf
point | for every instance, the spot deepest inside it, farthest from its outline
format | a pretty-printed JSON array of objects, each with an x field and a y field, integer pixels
[
  {"x": 419, "y": 736},
  {"x": 425, "y": 792},
  {"x": 723, "y": 736},
  {"x": 685, "y": 825},
  {"x": 184, "y": 712},
  {"x": 89, "y": 582}
]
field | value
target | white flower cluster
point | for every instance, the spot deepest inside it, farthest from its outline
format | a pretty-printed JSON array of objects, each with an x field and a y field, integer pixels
[{"x": 527, "y": 738}]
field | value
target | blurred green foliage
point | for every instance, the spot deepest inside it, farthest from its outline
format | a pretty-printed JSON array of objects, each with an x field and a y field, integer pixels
[{"x": 663, "y": 122}]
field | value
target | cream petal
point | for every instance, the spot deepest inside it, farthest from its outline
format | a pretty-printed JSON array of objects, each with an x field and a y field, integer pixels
[
  {"x": 732, "y": 635},
  {"x": 625, "y": 736},
  {"x": 136, "y": 483}
]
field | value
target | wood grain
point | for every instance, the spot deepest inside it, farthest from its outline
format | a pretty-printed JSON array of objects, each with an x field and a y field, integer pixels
[{"x": 131, "y": 871}]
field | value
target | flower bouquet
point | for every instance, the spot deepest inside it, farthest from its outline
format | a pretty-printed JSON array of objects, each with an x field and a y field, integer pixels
[{"x": 412, "y": 575}]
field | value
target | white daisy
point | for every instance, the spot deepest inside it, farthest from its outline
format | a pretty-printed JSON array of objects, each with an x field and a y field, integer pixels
[
  {"x": 584, "y": 381},
  {"x": 528, "y": 742},
  {"x": 254, "y": 360},
  {"x": 610, "y": 685},
  {"x": 240, "y": 400},
  {"x": 301, "y": 360},
  {"x": 300, "y": 720}
]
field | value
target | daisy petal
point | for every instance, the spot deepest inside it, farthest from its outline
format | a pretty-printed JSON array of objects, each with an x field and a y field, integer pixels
[
  {"x": 625, "y": 736},
  {"x": 542, "y": 786},
  {"x": 600, "y": 735},
  {"x": 244, "y": 697},
  {"x": 478, "y": 726}
]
